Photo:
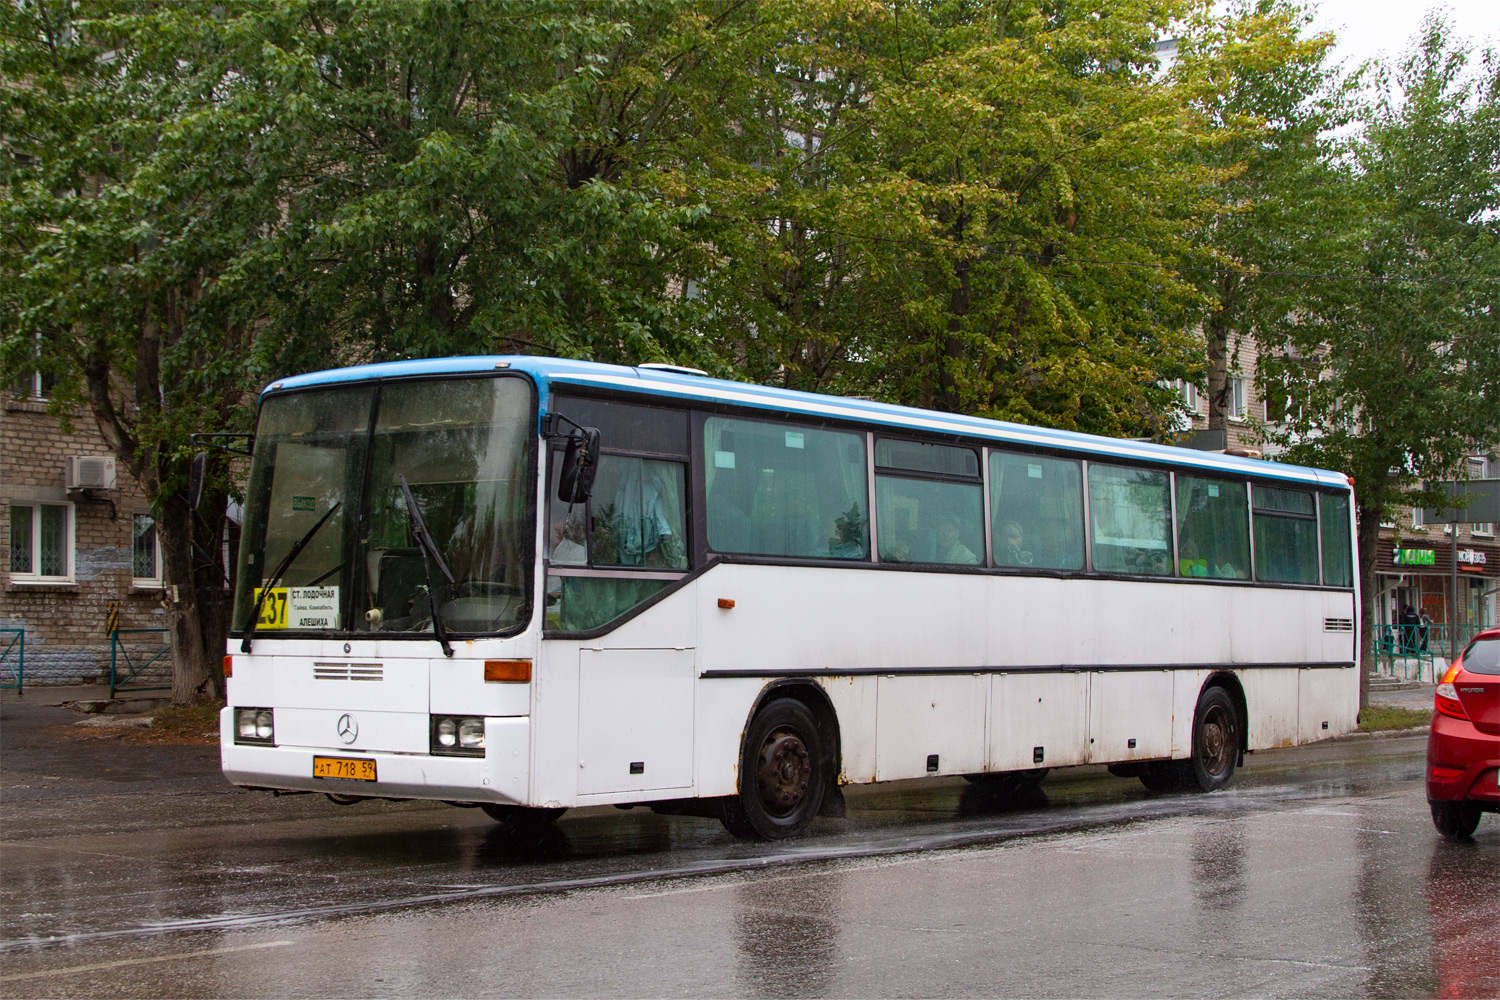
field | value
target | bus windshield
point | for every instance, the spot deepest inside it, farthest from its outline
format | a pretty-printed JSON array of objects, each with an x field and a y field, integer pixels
[{"x": 337, "y": 455}]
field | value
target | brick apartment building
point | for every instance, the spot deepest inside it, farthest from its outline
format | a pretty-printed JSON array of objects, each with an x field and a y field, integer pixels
[{"x": 80, "y": 559}]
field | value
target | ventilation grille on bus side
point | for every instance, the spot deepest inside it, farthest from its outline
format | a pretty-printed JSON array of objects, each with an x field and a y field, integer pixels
[
  {"x": 347, "y": 671},
  {"x": 1338, "y": 624}
]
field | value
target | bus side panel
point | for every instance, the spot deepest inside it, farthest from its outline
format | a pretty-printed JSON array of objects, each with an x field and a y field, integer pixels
[
  {"x": 855, "y": 702},
  {"x": 635, "y": 721},
  {"x": 1038, "y": 720},
  {"x": 1323, "y": 708},
  {"x": 930, "y": 725},
  {"x": 1126, "y": 720},
  {"x": 1271, "y": 701},
  {"x": 1186, "y": 686},
  {"x": 838, "y": 620}
]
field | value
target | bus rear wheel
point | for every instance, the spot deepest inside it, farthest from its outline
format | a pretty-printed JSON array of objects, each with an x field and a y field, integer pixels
[
  {"x": 1216, "y": 742},
  {"x": 783, "y": 775}
]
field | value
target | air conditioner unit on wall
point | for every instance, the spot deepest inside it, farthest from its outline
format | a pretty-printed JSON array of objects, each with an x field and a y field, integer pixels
[{"x": 90, "y": 472}]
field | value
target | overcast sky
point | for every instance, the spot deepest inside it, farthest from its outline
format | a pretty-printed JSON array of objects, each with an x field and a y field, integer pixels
[{"x": 1370, "y": 28}]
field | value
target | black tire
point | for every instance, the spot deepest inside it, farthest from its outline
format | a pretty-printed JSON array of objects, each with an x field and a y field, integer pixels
[
  {"x": 1216, "y": 742},
  {"x": 783, "y": 774},
  {"x": 1455, "y": 820},
  {"x": 1163, "y": 776},
  {"x": 521, "y": 817}
]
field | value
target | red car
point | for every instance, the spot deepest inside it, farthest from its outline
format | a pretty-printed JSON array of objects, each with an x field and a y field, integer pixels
[{"x": 1463, "y": 748}]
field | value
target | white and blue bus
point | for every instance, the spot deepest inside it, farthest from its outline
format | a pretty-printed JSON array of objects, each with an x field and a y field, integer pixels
[{"x": 530, "y": 584}]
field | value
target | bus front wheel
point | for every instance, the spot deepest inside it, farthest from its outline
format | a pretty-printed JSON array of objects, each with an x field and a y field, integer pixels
[
  {"x": 1216, "y": 741},
  {"x": 782, "y": 774}
]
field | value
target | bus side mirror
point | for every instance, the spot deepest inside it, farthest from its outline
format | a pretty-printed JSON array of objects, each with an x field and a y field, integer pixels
[
  {"x": 580, "y": 464},
  {"x": 195, "y": 479}
]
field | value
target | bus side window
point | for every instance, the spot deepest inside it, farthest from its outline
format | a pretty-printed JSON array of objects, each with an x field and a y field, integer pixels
[
  {"x": 1213, "y": 529},
  {"x": 1338, "y": 562},
  {"x": 1130, "y": 532},
  {"x": 1036, "y": 511},
  {"x": 784, "y": 490},
  {"x": 1286, "y": 536},
  {"x": 925, "y": 521}
]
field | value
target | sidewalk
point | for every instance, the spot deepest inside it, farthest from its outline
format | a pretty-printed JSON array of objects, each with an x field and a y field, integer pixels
[{"x": 85, "y": 693}]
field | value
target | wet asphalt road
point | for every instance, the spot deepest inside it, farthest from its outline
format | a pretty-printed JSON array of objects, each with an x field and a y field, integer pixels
[{"x": 134, "y": 871}]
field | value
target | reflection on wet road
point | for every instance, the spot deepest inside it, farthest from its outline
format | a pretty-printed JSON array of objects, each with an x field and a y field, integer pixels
[{"x": 1317, "y": 872}]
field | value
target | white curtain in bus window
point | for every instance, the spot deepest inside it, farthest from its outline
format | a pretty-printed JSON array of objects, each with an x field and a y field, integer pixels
[
  {"x": 1286, "y": 536},
  {"x": 638, "y": 514},
  {"x": 1213, "y": 529},
  {"x": 1338, "y": 559},
  {"x": 785, "y": 490},
  {"x": 1036, "y": 511},
  {"x": 929, "y": 522},
  {"x": 1130, "y": 510}
]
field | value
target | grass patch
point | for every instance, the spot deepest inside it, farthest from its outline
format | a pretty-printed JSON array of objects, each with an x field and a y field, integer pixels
[
  {"x": 1376, "y": 718},
  {"x": 186, "y": 723}
]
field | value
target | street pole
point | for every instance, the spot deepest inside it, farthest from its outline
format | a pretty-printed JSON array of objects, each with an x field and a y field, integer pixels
[{"x": 1453, "y": 558}]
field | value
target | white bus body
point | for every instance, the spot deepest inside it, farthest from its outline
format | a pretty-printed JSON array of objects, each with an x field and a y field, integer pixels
[{"x": 909, "y": 670}]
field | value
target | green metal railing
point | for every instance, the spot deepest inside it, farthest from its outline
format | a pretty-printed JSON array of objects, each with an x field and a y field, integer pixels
[
  {"x": 1405, "y": 660},
  {"x": 1413, "y": 652},
  {"x": 12, "y": 657},
  {"x": 126, "y": 667}
]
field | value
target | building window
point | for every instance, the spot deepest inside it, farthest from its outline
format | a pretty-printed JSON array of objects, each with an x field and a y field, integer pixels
[
  {"x": 41, "y": 542},
  {"x": 1189, "y": 393},
  {"x": 145, "y": 552},
  {"x": 34, "y": 384},
  {"x": 1238, "y": 408},
  {"x": 1418, "y": 517}
]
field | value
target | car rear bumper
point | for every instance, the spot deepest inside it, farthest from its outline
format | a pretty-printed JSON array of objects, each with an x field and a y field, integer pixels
[
  {"x": 502, "y": 775},
  {"x": 1462, "y": 763}
]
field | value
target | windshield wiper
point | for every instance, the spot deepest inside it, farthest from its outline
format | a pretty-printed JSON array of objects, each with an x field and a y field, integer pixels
[
  {"x": 281, "y": 568},
  {"x": 429, "y": 549}
]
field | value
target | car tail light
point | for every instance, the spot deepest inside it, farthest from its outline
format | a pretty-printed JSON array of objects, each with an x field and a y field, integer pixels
[{"x": 1447, "y": 694}]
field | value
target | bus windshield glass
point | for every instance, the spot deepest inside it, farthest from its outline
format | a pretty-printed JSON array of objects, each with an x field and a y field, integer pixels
[{"x": 464, "y": 447}]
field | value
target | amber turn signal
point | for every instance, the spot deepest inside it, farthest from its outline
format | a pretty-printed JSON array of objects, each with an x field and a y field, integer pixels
[
  {"x": 726, "y": 603},
  {"x": 228, "y": 665},
  {"x": 507, "y": 671}
]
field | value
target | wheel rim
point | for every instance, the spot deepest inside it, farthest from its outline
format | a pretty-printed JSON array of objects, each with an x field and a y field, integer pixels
[
  {"x": 784, "y": 773},
  {"x": 1216, "y": 741}
]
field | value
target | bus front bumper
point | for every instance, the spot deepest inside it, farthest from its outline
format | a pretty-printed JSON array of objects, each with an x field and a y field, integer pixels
[{"x": 502, "y": 775}]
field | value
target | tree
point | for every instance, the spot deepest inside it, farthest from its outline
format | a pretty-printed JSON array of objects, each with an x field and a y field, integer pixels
[
  {"x": 1272, "y": 100},
  {"x": 937, "y": 182},
  {"x": 1390, "y": 370}
]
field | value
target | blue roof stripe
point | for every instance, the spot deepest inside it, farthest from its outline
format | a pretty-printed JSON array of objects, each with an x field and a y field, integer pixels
[{"x": 547, "y": 371}]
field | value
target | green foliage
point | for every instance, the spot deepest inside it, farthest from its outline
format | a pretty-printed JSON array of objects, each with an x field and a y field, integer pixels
[{"x": 1391, "y": 374}]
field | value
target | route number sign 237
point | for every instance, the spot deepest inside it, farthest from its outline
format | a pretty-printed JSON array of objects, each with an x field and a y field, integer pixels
[{"x": 299, "y": 607}]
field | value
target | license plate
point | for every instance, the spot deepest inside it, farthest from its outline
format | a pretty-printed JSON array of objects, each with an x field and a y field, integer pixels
[{"x": 353, "y": 768}]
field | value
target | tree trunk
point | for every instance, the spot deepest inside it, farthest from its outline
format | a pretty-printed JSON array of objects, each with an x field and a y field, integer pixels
[
  {"x": 1368, "y": 533},
  {"x": 197, "y": 601},
  {"x": 1216, "y": 338}
]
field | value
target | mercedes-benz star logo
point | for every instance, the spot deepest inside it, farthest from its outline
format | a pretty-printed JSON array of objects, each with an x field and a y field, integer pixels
[{"x": 348, "y": 728}]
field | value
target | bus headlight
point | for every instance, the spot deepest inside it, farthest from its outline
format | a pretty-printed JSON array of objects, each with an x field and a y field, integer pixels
[
  {"x": 457, "y": 736},
  {"x": 254, "y": 725}
]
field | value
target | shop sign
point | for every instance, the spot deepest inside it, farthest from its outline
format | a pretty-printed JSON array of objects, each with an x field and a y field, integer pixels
[
  {"x": 1414, "y": 557},
  {"x": 1471, "y": 560}
]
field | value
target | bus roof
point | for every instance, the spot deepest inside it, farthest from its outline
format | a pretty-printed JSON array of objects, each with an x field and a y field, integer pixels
[{"x": 550, "y": 372}]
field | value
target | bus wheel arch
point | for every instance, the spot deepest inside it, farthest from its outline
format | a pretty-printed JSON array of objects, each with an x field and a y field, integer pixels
[{"x": 788, "y": 764}]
